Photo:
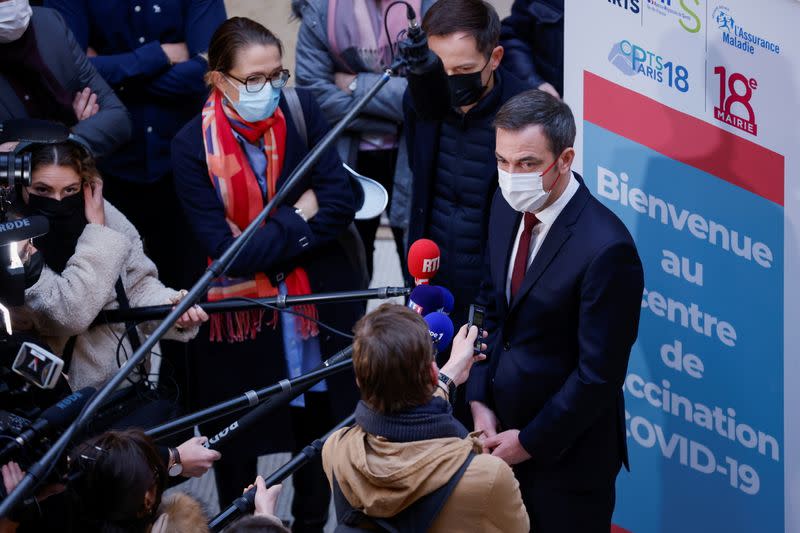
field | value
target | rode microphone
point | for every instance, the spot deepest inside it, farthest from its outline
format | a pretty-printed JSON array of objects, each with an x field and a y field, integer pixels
[
  {"x": 441, "y": 329},
  {"x": 23, "y": 229},
  {"x": 423, "y": 260},
  {"x": 425, "y": 299},
  {"x": 427, "y": 79},
  {"x": 448, "y": 300},
  {"x": 53, "y": 418}
]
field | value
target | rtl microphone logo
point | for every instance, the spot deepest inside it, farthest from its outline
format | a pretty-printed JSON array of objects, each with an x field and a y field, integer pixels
[{"x": 430, "y": 265}]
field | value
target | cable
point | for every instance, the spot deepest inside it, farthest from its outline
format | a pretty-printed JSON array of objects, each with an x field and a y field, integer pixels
[
  {"x": 386, "y": 23},
  {"x": 298, "y": 313}
]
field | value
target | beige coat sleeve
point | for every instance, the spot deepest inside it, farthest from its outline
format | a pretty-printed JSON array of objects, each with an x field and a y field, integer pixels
[
  {"x": 63, "y": 305},
  {"x": 505, "y": 506},
  {"x": 141, "y": 277}
]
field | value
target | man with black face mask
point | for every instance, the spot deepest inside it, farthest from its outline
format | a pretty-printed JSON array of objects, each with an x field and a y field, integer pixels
[{"x": 452, "y": 157}]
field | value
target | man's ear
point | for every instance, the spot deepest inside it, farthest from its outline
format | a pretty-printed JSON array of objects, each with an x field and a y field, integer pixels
[
  {"x": 496, "y": 57},
  {"x": 566, "y": 159}
]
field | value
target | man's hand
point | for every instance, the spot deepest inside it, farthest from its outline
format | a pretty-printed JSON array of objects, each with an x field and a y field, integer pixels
[
  {"x": 506, "y": 446},
  {"x": 308, "y": 203},
  {"x": 266, "y": 498},
  {"x": 546, "y": 87},
  {"x": 462, "y": 354},
  {"x": 196, "y": 458},
  {"x": 94, "y": 207},
  {"x": 176, "y": 52},
  {"x": 194, "y": 316},
  {"x": 85, "y": 104},
  {"x": 235, "y": 230},
  {"x": 485, "y": 420},
  {"x": 343, "y": 81}
]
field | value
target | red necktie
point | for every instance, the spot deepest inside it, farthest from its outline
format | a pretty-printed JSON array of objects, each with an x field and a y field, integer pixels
[{"x": 523, "y": 250}]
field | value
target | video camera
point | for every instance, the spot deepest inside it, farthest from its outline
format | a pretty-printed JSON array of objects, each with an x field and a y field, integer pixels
[{"x": 30, "y": 376}]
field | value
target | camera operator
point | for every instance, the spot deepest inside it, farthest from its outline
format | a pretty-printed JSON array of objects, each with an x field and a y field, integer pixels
[
  {"x": 114, "y": 470},
  {"x": 93, "y": 260}
]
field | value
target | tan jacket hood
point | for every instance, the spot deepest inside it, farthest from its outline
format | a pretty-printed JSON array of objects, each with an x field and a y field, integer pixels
[{"x": 383, "y": 478}]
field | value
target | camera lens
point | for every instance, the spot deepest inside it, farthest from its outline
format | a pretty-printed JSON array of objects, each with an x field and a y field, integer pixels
[{"x": 15, "y": 169}]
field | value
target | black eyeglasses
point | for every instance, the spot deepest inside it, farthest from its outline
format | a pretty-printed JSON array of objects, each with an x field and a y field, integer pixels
[{"x": 256, "y": 82}]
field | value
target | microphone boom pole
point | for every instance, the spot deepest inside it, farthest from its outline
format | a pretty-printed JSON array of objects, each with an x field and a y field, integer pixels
[
  {"x": 337, "y": 363},
  {"x": 41, "y": 468},
  {"x": 246, "y": 502},
  {"x": 155, "y": 312}
]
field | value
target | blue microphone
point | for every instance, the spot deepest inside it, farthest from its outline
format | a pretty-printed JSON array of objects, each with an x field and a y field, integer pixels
[
  {"x": 425, "y": 299},
  {"x": 448, "y": 300},
  {"x": 441, "y": 329}
]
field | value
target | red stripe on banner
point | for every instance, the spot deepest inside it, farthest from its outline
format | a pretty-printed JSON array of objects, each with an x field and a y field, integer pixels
[{"x": 683, "y": 138}]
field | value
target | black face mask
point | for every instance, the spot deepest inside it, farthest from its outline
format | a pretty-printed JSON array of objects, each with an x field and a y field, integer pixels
[
  {"x": 466, "y": 89},
  {"x": 67, "y": 219}
]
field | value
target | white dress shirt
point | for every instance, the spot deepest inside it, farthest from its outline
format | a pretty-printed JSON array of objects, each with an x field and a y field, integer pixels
[{"x": 546, "y": 217}]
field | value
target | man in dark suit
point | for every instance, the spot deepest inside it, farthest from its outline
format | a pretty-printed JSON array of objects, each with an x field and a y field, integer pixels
[
  {"x": 563, "y": 287},
  {"x": 44, "y": 74}
]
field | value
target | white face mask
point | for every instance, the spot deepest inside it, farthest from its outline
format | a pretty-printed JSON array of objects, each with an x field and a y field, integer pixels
[
  {"x": 524, "y": 191},
  {"x": 14, "y": 18}
]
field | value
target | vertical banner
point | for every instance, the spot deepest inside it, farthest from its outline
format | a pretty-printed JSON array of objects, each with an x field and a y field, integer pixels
[{"x": 688, "y": 117}]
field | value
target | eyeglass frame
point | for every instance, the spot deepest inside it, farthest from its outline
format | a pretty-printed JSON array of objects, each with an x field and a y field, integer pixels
[{"x": 269, "y": 79}]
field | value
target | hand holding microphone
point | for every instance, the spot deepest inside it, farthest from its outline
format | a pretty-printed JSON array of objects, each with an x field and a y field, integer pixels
[{"x": 462, "y": 355}]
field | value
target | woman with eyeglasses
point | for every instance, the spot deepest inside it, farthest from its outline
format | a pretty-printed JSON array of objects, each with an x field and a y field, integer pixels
[{"x": 228, "y": 163}]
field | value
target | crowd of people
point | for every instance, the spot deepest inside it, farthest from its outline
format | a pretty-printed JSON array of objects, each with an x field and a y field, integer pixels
[{"x": 184, "y": 125}]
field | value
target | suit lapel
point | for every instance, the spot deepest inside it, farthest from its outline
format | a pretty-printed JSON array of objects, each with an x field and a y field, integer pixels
[
  {"x": 558, "y": 235},
  {"x": 508, "y": 226}
]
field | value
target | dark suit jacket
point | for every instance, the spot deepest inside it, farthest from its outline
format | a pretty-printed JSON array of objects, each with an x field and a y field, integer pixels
[
  {"x": 111, "y": 126},
  {"x": 559, "y": 352}
]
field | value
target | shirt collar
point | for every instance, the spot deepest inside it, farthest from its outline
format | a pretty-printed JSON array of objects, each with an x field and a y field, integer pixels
[{"x": 549, "y": 214}]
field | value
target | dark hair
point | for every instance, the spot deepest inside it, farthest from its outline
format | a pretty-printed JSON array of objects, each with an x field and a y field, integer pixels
[
  {"x": 474, "y": 17},
  {"x": 256, "y": 524},
  {"x": 392, "y": 355},
  {"x": 65, "y": 154},
  {"x": 538, "y": 108},
  {"x": 112, "y": 472},
  {"x": 233, "y": 35}
]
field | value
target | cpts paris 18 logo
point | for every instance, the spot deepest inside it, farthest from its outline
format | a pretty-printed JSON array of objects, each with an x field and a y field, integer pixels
[
  {"x": 735, "y": 94},
  {"x": 735, "y": 34}
]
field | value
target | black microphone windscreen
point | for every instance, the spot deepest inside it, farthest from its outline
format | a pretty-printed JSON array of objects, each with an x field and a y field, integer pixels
[
  {"x": 428, "y": 88},
  {"x": 67, "y": 409},
  {"x": 23, "y": 229}
]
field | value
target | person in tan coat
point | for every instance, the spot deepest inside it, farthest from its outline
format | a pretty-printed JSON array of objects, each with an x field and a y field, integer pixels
[{"x": 406, "y": 444}]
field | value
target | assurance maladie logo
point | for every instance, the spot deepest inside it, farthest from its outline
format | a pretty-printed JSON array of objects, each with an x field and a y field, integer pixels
[
  {"x": 634, "y": 60},
  {"x": 734, "y": 33},
  {"x": 686, "y": 11}
]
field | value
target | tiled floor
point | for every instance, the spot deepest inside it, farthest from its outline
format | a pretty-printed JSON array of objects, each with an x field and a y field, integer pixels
[{"x": 387, "y": 272}]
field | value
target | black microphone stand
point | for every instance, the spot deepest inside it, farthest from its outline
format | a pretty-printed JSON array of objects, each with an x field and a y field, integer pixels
[
  {"x": 155, "y": 312},
  {"x": 337, "y": 363},
  {"x": 246, "y": 502},
  {"x": 39, "y": 470}
]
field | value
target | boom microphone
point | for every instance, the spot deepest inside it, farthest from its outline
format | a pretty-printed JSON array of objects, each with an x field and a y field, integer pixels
[
  {"x": 427, "y": 79},
  {"x": 425, "y": 299},
  {"x": 53, "y": 418},
  {"x": 423, "y": 260},
  {"x": 23, "y": 229},
  {"x": 441, "y": 329}
]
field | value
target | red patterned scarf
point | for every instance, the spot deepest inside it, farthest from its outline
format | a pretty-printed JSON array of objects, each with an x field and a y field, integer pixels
[{"x": 240, "y": 193}]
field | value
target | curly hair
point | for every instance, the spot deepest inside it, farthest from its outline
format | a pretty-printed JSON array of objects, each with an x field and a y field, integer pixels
[{"x": 65, "y": 154}]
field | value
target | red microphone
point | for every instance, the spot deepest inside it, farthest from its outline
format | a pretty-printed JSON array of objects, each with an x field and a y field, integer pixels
[{"x": 423, "y": 261}]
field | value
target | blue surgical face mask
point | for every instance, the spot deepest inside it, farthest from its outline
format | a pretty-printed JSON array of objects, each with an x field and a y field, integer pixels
[{"x": 257, "y": 106}]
